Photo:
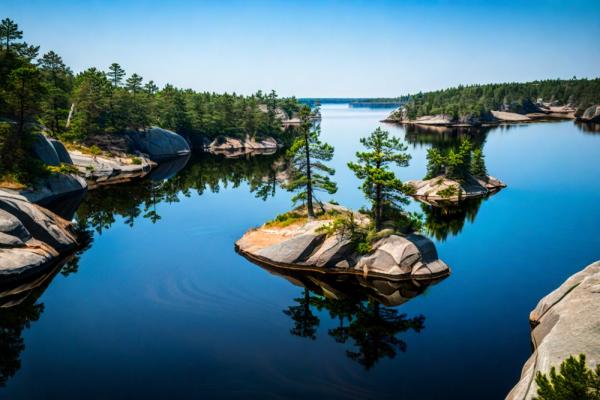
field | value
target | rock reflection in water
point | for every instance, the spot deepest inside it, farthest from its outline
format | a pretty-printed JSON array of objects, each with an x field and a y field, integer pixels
[
  {"x": 367, "y": 321},
  {"x": 19, "y": 307},
  {"x": 130, "y": 201}
]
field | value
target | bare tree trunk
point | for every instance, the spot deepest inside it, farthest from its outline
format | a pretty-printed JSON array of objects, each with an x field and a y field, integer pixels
[
  {"x": 70, "y": 115},
  {"x": 309, "y": 197}
]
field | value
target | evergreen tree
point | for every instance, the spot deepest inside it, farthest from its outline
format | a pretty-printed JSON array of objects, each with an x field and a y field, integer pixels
[
  {"x": 116, "y": 74},
  {"x": 91, "y": 97},
  {"x": 134, "y": 83},
  {"x": 9, "y": 31},
  {"x": 478, "y": 164},
  {"x": 58, "y": 83},
  {"x": 380, "y": 185},
  {"x": 307, "y": 155},
  {"x": 574, "y": 381}
]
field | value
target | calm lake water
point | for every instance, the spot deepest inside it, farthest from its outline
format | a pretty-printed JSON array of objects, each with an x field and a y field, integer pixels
[{"x": 161, "y": 306}]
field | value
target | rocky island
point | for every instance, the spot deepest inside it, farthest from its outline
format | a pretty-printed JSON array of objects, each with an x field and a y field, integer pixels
[
  {"x": 299, "y": 243},
  {"x": 442, "y": 189}
]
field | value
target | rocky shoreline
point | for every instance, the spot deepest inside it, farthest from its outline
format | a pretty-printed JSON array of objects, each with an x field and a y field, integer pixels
[
  {"x": 566, "y": 322},
  {"x": 304, "y": 246},
  {"x": 439, "y": 190},
  {"x": 498, "y": 117}
]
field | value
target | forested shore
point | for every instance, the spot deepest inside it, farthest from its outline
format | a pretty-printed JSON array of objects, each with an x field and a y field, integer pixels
[
  {"x": 41, "y": 93},
  {"x": 479, "y": 101}
]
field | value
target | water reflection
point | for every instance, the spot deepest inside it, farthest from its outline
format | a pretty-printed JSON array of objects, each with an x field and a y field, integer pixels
[
  {"x": 19, "y": 307},
  {"x": 366, "y": 319},
  {"x": 443, "y": 219},
  {"x": 130, "y": 201}
]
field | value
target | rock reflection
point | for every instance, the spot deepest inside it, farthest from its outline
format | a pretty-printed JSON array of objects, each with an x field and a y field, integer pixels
[
  {"x": 130, "y": 201},
  {"x": 19, "y": 307},
  {"x": 443, "y": 220},
  {"x": 367, "y": 320}
]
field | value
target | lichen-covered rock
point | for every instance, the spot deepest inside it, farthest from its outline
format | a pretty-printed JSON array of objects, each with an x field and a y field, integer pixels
[
  {"x": 302, "y": 245},
  {"x": 566, "y": 322},
  {"x": 160, "y": 144},
  {"x": 44, "y": 150}
]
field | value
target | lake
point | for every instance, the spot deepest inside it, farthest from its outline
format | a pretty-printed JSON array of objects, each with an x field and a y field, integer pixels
[{"x": 161, "y": 306}]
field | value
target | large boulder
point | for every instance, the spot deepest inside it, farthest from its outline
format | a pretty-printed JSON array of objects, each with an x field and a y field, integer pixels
[
  {"x": 160, "y": 144},
  {"x": 31, "y": 237},
  {"x": 44, "y": 150},
  {"x": 591, "y": 114},
  {"x": 566, "y": 322},
  {"x": 55, "y": 187},
  {"x": 61, "y": 151},
  {"x": 296, "y": 249}
]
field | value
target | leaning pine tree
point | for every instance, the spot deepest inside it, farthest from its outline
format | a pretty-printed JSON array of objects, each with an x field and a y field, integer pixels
[
  {"x": 380, "y": 185},
  {"x": 309, "y": 173}
]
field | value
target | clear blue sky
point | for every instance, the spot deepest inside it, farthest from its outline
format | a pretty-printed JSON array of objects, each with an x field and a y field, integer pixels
[{"x": 320, "y": 48}]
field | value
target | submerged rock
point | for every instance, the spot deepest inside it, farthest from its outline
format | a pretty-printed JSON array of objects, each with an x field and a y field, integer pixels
[
  {"x": 442, "y": 189},
  {"x": 304, "y": 246},
  {"x": 566, "y": 322}
]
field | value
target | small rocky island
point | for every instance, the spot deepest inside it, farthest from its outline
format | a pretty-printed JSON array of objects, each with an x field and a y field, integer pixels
[
  {"x": 442, "y": 189},
  {"x": 293, "y": 241}
]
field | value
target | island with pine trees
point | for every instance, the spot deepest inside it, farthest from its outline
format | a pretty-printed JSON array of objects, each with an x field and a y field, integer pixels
[{"x": 381, "y": 241}]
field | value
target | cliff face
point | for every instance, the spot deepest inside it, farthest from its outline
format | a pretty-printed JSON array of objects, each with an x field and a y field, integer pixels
[{"x": 566, "y": 322}]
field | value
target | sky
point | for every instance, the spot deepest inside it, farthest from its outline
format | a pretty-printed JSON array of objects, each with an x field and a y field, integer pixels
[{"x": 323, "y": 48}]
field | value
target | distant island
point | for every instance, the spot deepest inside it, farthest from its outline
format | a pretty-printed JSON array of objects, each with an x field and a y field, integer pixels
[
  {"x": 489, "y": 104},
  {"x": 372, "y": 102}
]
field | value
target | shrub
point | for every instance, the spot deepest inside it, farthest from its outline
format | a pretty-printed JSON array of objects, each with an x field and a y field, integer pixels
[
  {"x": 136, "y": 161},
  {"x": 450, "y": 191},
  {"x": 574, "y": 381}
]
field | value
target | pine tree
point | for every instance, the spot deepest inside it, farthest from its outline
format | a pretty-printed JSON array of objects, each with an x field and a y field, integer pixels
[
  {"x": 134, "y": 83},
  {"x": 307, "y": 155},
  {"x": 58, "y": 82},
  {"x": 380, "y": 185},
  {"x": 478, "y": 164},
  {"x": 116, "y": 74},
  {"x": 9, "y": 31}
]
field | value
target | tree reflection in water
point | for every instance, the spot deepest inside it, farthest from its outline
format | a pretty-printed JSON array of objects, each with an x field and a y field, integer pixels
[
  {"x": 205, "y": 172},
  {"x": 100, "y": 208},
  {"x": 368, "y": 321},
  {"x": 443, "y": 219}
]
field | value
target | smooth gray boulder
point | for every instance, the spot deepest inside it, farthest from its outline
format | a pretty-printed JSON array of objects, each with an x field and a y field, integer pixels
[
  {"x": 160, "y": 144},
  {"x": 566, "y": 322},
  {"x": 591, "y": 114},
  {"x": 44, "y": 150},
  {"x": 54, "y": 187},
  {"x": 31, "y": 237},
  {"x": 334, "y": 249},
  {"x": 291, "y": 251},
  {"x": 61, "y": 151}
]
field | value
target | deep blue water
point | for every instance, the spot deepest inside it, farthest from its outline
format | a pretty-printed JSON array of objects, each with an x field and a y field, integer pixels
[{"x": 169, "y": 309}]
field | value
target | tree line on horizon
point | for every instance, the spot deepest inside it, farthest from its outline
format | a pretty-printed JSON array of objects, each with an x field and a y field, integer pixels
[
  {"x": 479, "y": 100},
  {"x": 42, "y": 93}
]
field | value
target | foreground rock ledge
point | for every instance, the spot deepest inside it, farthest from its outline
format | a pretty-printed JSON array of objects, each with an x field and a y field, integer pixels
[
  {"x": 566, "y": 322},
  {"x": 442, "y": 189},
  {"x": 302, "y": 246},
  {"x": 31, "y": 237}
]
